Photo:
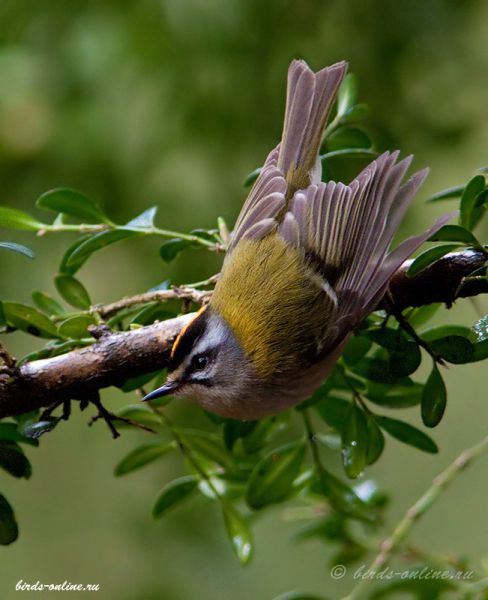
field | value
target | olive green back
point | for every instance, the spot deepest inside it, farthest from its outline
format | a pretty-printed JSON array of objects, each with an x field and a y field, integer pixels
[{"x": 274, "y": 304}]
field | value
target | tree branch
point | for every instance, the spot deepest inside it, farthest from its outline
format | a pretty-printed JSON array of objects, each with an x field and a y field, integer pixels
[{"x": 116, "y": 357}]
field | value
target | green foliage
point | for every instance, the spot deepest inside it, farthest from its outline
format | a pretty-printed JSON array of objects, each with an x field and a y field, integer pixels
[{"x": 244, "y": 468}]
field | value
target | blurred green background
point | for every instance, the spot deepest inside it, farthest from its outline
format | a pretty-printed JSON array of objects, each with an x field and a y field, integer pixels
[{"x": 173, "y": 102}]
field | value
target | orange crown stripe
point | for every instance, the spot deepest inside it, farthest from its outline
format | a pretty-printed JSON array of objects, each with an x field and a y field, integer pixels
[{"x": 183, "y": 331}]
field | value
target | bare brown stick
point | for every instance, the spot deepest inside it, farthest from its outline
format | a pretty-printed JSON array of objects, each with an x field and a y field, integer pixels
[
  {"x": 116, "y": 357},
  {"x": 182, "y": 293}
]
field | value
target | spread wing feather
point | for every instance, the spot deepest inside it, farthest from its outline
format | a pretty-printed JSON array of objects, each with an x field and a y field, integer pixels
[
  {"x": 344, "y": 231},
  {"x": 347, "y": 230}
]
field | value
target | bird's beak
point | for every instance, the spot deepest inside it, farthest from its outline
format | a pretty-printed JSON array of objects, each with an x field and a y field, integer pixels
[{"x": 168, "y": 388}]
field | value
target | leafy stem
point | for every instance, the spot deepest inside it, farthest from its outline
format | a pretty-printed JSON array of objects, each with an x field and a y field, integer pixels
[
  {"x": 415, "y": 512},
  {"x": 187, "y": 452}
]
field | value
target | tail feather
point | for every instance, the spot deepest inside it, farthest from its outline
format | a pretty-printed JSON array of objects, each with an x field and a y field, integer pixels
[{"x": 308, "y": 102}]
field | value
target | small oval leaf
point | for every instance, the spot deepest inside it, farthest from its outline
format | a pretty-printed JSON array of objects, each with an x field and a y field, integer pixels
[
  {"x": 354, "y": 441},
  {"x": 173, "y": 493},
  {"x": 408, "y": 434},
  {"x": 14, "y": 461},
  {"x": 19, "y": 248},
  {"x": 141, "y": 456},
  {"x": 456, "y": 349},
  {"x": 46, "y": 303},
  {"x": 29, "y": 319},
  {"x": 422, "y": 261},
  {"x": 376, "y": 441},
  {"x": 455, "y": 233},
  {"x": 73, "y": 203},
  {"x": 72, "y": 291},
  {"x": 96, "y": 242},
  {"x": 170, "y": 249},
  {"x": 272, "y": 478},
  {"x": 11, "y": 218},
  {"x": 434, "y": 398},
  {"x": 474, "y": 187},
  {"x": 238, "y": 532},
  {"x": 76, "y": 327},
  {"x": 9, "y": 530}
]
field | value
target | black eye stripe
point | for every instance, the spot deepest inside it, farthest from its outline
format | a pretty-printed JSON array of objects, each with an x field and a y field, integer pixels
[{"x": 187, "y": 340}]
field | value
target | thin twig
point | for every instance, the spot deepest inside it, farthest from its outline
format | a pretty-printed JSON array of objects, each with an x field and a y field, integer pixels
[
  {"x": 180, "y": 293},
  {"x": 414, "y": 513}
]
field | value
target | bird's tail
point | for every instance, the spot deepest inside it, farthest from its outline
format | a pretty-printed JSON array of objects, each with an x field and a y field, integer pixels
[{"x": 309, "y": 99}]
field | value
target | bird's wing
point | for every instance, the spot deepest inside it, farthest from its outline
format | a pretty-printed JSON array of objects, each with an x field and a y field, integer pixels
[{"x": 346, "y": 231}]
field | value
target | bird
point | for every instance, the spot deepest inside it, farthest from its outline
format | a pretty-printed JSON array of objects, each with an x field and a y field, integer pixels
[{"x": 307, "y": 261}]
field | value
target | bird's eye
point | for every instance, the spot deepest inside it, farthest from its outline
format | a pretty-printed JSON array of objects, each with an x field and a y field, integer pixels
[{"x": 199, "y": 362}]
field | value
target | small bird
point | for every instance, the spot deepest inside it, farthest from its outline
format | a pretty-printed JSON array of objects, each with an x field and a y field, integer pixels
[{"x": 307, "y": 261}]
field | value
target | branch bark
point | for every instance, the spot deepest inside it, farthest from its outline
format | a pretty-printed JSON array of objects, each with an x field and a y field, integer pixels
[{"x": 116, "y": 357}]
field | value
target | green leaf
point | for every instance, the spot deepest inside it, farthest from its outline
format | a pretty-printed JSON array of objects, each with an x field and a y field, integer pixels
[
  {"x": 145, "y": 220},
  {"x": 141, "y": 456},
  {"x": 480, "y": 351},
  {"x": 455, "y": 233},
  {"x": 453, "y": 348},
  {"x": 354, "y": 441},
  {"x": 468, "y": 200},
  {"x": 355, "y": 113},
  {"x": 152, "y": 312},
  {"x": 435, "y": 333},
  {"x": 272, "y": 478},
  {"x": 408, "y": 434},
  {"x": 140, "y": 413},
  {"x": 12, "y": 432},
  {"x": 234, "y": 430},
  {"x": 405, "y": 360},
  {"x": 13, "y": 460},
  {"x": 97, "y": 242},
  {"x": 72, "y": 291},
  {"x": 347, "y": 153},
  {"x": 11, "y": 218},
  {"x": 134, "y": 383},
  {"x": 9, "y": 530},
  {"x": 396, "y": 396},
  {"x": 357, "y": 347},
  {"x": 46, "y": 303},
  {"x": 347, "y": 137},
  {"x": 29, "y": 319},
  {"x": 341, "y": 496},
  {"x": 480, "y": 329},
  {"x": 251, "y": 178},
  {"x": 375, "y": 369},
  {"x": 333, "y": 411},
  {"x": 19, "y": 248},
  {"x": 453, "y": 192},
  {"x": 376, "y": 440},
  {"x": 238, "y": 533},
  {"x": 428, "y": 257},
  {"x": 173, "y": 493},
  {"x": 76, "y": 327},
  {"x": 434, "y": 398},
  {"x": 73, "y": 203},
  {"x": 208, "y": 445},
  {"x": 77, "y": 263},
  {"x": 170, "y": 249},
  {"x": 421, "y": 315},
  {"x": 34, "y": 429},
  {"x": 347, "y": 95}
]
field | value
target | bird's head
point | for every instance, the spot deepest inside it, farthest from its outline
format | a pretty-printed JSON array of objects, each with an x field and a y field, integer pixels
[{"x": 207, "y": 364}]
